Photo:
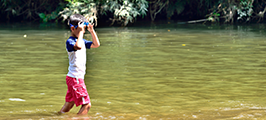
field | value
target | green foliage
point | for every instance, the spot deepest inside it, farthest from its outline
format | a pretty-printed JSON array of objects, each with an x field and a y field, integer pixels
[
  {"x": 125, "y": 11},
  {"x": 177, "y": 6},
  {"x": 244, "y": 9},
  {"x": 86, "y": 8},
  {"x": 48, "y": 17},
  {"x": 214, "y": 17},
  {"x": 216, "y": 14},
  {"x": 51, "y": 16},
  {"x": 241, "y": 10},
  {"x": 31, "y": 9},
  {"x": 189, "y": 7}
]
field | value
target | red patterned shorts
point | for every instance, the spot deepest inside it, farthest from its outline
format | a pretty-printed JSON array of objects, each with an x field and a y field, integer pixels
[{"x": 77, "y": 91}]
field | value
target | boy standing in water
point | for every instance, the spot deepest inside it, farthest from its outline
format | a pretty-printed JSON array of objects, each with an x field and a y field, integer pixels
[{"x": 76, "y": 48}]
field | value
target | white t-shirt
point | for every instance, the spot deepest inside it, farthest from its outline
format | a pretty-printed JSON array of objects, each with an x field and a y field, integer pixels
[{"x": 77, "y": 58}]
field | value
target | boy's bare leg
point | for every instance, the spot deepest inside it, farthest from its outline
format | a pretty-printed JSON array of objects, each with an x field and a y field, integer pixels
[
  {"x": 67, "y": 106},
  {"x": 84, "y": 109}
]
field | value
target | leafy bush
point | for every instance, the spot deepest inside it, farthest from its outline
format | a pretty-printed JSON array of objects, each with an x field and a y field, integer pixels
[
  {"x": 31, "y": 9},
  {"x": 124, "y": 11},
  {"x": 244, "y": 10},
  {"x": 87, "y": 8}
]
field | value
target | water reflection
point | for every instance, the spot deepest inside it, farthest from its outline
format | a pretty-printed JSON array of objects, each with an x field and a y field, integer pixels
[{"x": 158, "y": 72}]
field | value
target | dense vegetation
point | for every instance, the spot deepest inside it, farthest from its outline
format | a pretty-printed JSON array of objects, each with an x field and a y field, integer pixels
[{"x": 123, "y": 12}]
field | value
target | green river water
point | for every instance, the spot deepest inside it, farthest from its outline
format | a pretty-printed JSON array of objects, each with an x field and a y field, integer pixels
[{"x": 151, "y": 72}]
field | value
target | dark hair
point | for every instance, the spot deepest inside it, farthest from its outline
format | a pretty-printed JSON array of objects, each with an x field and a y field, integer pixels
[{"x": 76, "y": 18}]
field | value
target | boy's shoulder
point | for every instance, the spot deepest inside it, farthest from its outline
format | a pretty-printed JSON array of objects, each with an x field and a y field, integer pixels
[
  {"x": 70, "y": 42},
  {"x": 71, "y": 38}
]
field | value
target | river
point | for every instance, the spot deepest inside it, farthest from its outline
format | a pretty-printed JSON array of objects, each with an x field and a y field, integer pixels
[{"x": 147, "y": 72}]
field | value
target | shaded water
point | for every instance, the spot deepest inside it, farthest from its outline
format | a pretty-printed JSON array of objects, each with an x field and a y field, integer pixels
[{"x": 163, "y": 72}]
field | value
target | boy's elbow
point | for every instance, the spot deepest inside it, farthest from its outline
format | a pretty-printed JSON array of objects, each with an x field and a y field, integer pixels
[
  {"x": 95, "y": 46},
  {"x": 77, "y": 47}
]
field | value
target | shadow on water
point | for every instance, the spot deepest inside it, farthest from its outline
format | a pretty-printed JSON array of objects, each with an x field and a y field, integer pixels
[{"x": 149, "y": 71}]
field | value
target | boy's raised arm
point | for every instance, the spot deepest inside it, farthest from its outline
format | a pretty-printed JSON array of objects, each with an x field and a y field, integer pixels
[
  {"x": 78, "y": 44},
  {"x": 95, "y": 40},
  {"x": 79, "y": 41}
]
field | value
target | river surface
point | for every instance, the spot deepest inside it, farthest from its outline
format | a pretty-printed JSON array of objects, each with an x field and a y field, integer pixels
[{"x": 147, "y": 72}]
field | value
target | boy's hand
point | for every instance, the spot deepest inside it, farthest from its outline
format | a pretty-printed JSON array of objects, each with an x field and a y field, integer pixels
[
  {"x": 90, "y": 27},
  {"x": 80, "y": 29}
]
